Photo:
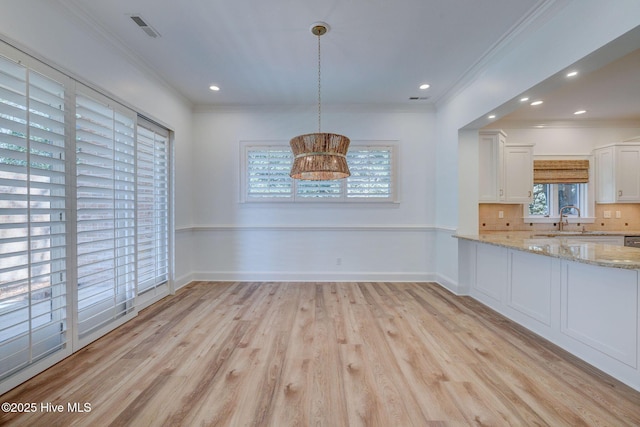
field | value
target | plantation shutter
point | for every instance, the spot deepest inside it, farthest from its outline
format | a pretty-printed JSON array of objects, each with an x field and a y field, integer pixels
[
  {"x": 153, "y": 205},
  {"x": 32, "y": 217},
  {"x": 560, "y": 171},
  {"x": 105, "y": 157},
  {"x": 319, "y": 189},
  {"x": 265, "y": 176},
  {"x": 268, "y": 172},
  {"x": 371, "y": 172}
]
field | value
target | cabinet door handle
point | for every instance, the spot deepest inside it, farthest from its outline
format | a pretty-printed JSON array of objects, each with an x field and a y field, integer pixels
[
  {"x": 619, "y": 193},
  {"x": 501, "y": 192},
  {"x": 529, "y": 193}
]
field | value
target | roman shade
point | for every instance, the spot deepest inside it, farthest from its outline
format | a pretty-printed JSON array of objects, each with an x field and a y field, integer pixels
[{"x": 560, "y": 171}]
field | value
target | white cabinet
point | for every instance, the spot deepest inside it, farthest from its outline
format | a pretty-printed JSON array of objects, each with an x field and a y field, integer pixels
[
  {"x": 628, "y": 173},
  {"x": 600, "y": 309},
  {"x": 491, "y": 151},
  {"x": 518, "y": 173},
  {"x": 506, "y": 170},
  {"x": 617, "y": 171},
  {"x": 605, "y": 174},
  {"x": 589, "y": 310}
]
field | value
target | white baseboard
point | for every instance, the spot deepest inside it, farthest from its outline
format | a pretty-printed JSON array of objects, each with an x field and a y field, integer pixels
[
  {"x": 33, "y": 370},
  {"x": 182, "y": 281},
  {"x": 228, "y": 276},
  {"x": 449, "y": 284},
  {"x": 285, "y": 276}
]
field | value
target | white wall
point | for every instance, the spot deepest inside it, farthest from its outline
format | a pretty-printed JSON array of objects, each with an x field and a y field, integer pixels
[
  {"x": 576, "y": 30},
  {"x": 394, "y": 241},
  {"x": 257, "y": 241},
  {"x": 216, "y": 236},
  {"x": 81, "y": 52}
]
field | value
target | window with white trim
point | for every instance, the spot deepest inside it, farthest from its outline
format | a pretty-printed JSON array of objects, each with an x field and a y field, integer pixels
[
  {"x": 371, "y": 172},
  {"x": 548, "y": 199},
  {"x": 265, "y": 175},
  {"x": 266, "y": 172},
  {"x": 559, "y": 183}
]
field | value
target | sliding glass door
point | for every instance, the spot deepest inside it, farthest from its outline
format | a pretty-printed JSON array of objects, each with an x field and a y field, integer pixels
[
  {"x": 105, "y": 197},
  {"x": 153, "y": 206},
  {"x": 85, "y": 208},
  {"x": 33, "y": 196}
]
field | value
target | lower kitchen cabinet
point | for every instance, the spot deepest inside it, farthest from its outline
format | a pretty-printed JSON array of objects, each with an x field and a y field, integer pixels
[{"x": 589, "y": 310}]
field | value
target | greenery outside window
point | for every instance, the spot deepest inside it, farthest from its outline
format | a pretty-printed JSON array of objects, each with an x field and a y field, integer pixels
[
  {"x": 560, "y": 182},
  {"x": 548, "y": 199}
]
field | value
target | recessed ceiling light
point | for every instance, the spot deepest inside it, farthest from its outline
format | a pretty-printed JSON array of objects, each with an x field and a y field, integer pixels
[
  {"x": 492, "y": 116},
  {"x": 214, "y": 88},
  {"x": 425, "y": 86},
  {"x": 540, "y": 126},
  {"x": 525, "y": 99},
  {"x": 534, "y": 103},
  {"x": 577, "y": 113},
  {"x": 572, "y": 74}
]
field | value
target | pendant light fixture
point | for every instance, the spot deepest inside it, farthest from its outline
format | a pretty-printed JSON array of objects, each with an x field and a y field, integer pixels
[{"x": 319, "y": 156}]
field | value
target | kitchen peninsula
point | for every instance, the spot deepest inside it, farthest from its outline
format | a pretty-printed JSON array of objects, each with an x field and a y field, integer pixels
[{"x": 582, "y": 296}]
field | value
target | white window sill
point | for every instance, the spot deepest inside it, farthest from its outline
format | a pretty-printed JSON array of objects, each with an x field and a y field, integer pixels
[{"x": 556, "y": 219}]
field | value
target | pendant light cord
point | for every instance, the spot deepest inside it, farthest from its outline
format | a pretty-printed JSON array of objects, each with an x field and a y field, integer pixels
[{"x": 319, "y": 96}]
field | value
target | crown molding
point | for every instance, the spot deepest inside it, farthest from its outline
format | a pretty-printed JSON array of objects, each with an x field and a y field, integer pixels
[
  {"x": 326, "y": 108},
  {"x": 541, "y": 13},
  {"x": 79, "y": 14}
]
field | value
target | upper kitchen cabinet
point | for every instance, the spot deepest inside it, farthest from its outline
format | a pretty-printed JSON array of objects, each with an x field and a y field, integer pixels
[
  {"x": 506, "y": 170},
  {"x": 617, "y": 171}
]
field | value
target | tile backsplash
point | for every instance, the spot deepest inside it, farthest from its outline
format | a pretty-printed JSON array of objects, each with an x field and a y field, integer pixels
[{"x": 489, "y": 219}]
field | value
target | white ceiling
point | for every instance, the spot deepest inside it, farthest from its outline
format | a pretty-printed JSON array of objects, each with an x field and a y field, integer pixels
[
  {"x": 608, "y": 93},
  {"x": 262, "y": 52}
]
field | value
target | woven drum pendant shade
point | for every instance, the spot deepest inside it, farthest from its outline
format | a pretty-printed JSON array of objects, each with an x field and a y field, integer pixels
[{"x": 319, "y": 156}]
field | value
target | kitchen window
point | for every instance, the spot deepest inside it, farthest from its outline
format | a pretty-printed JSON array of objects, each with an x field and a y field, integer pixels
[
  {"x": 559, "y": 183},
  {"x": 548, "y": 199}
]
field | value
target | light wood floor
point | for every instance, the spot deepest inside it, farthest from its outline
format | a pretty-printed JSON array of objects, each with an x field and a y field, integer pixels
[{"x": 331, "y": 354}]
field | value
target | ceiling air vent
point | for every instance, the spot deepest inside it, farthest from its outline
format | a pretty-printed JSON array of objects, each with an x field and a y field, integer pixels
[
  {"x": 418, "y": 98},
  {"x": 145, "y": 27}
]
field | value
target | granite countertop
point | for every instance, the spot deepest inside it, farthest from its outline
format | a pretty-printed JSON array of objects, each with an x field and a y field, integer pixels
[{"x": 563, "y": 246}]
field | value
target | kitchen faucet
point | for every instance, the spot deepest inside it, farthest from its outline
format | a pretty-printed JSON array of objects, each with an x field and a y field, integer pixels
[{"x": 561, "y": 224}]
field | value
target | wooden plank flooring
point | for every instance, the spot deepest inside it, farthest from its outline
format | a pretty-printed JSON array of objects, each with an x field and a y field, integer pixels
[{"x": 329, "y": 354}]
